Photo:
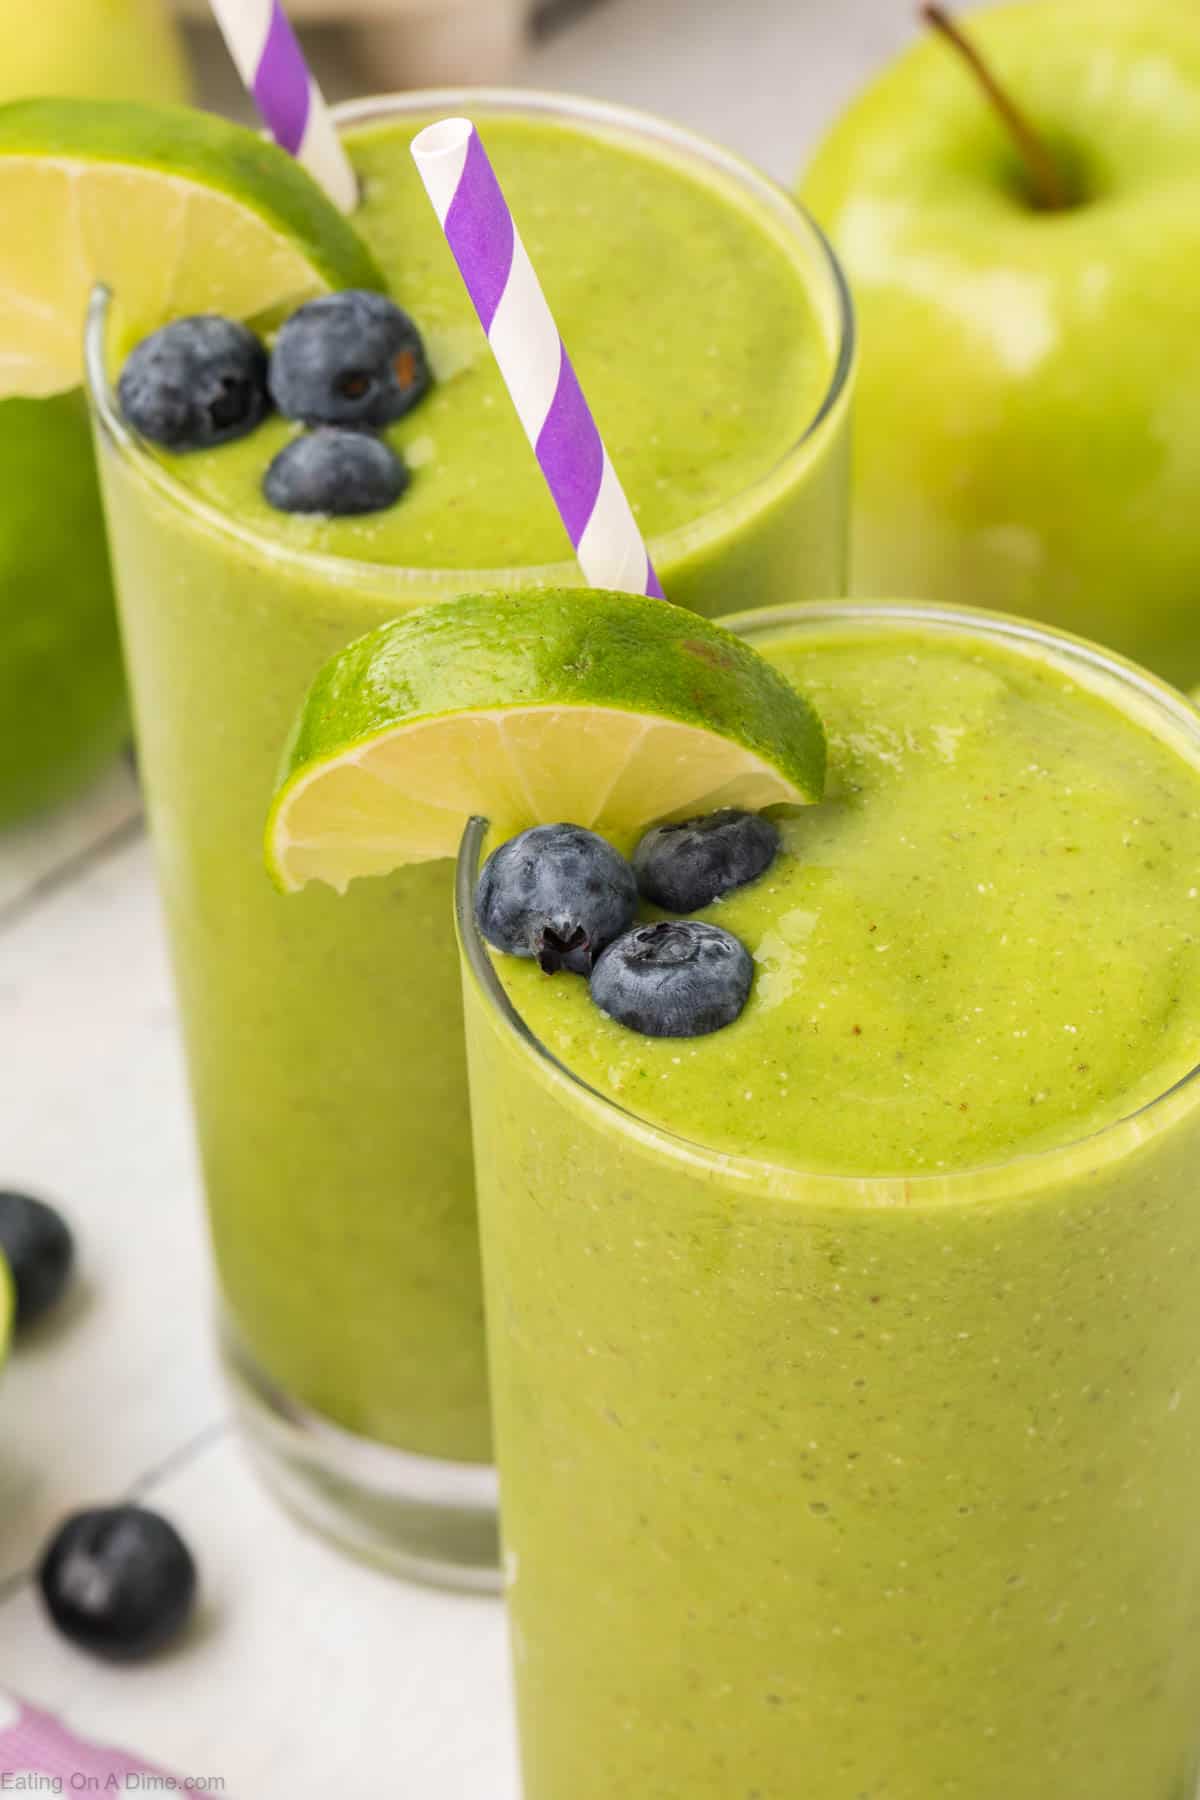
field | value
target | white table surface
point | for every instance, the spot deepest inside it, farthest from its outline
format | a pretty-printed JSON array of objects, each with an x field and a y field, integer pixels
[{"x": 308, "y": 1677}]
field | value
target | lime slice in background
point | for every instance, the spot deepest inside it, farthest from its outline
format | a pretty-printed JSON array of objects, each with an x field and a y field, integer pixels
[
  {"x": 177, "y": 211},
  {"x": 608, "y": 710}
]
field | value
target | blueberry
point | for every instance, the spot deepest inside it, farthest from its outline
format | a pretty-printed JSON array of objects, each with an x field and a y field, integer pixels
[
  {"x": 676, "y": 978},
  {"x": 348, "y": 359},
  {"x": 118, "y": 1581},
  {"x": 556, "y": 893},
  {"x": 686, "y": 866},
  {"x": 335, "y": 471},
  {"x": 196, "y": 382},
  {"x": 37, "y": 1244}
]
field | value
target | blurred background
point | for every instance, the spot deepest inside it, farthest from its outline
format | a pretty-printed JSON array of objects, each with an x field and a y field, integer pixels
[{"x": 764, "y": 76}]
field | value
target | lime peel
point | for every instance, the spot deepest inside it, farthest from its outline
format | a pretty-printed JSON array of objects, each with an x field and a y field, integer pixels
[{"x": 611, "y": 710}]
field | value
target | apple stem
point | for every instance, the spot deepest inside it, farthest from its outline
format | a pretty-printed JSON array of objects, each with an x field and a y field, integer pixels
[{"x": 1046, "y": 181}]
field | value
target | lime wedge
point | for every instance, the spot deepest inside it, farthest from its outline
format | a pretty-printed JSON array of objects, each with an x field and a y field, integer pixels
[
  {"x": 177, "y": 211},
  {"x": 609, "y": 710}
]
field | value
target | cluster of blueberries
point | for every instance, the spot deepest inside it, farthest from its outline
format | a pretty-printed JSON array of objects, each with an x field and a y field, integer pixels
[
  {"x": 564, "y": 897},
  {"x": 116, "y": 1580},
  {"x": 344, "y": 365}
]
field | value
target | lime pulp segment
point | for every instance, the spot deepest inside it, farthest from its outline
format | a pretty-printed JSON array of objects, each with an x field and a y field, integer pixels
[{"x": 176, "y": 210}]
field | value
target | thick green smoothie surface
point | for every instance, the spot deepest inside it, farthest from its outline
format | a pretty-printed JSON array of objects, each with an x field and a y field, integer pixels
[
  {"x": 699, "y": 389},
  {"x": 986, "y": 940}
]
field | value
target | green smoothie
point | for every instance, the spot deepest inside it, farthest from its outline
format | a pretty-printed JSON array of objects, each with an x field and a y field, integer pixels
[
  {"x": 846, "y": 1361},
  {"x": 699, "y": 399},
  {"x": 324, "y": 1035}
]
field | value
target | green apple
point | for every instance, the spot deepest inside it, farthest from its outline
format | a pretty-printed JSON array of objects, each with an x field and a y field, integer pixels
[
  {"x": 62, "y": 696},
  {"x": 8, "y": 1307},
  {"x": 1028, "y": 409},
  {"x": 96, "y": 49}
]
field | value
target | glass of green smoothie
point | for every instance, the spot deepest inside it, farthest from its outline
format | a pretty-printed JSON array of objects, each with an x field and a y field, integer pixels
[
  {"x": 845, "y": 1359},
  {"x": 711, "y": 328}
]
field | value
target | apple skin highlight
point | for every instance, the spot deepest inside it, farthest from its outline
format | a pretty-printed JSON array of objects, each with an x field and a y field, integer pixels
[{"x": 1028, "y": 416}]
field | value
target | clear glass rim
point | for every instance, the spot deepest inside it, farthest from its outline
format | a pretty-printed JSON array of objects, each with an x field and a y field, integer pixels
[
  {"x": 1027, "y": 1169},
  {"x": 767, "y": 194}
]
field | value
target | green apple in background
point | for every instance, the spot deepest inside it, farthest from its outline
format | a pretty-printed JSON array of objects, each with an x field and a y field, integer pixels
[
  {"x": 97, "y": 49},
  {"x": 1028, "y": 410},
  {"x": 62, "y": 696},
  {"x": 8, "y": 1307}
]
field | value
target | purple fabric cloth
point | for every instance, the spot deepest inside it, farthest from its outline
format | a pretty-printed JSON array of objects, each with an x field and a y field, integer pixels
[{"x": 35, "y": 1744}]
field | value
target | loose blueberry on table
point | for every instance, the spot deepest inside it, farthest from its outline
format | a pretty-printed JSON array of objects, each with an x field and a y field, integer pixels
[
  {"x": 351, "y": 358},
  {"x": 195, "y": 383},
  {"x": 686, "y": 866},
  {"x": 118, "y": 1581},
  {"x": 37, "y": 1244},
  {"x": 674, "y": 978},
  {"x": 558, "y": 894}
]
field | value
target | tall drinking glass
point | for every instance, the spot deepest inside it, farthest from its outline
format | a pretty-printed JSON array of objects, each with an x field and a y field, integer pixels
[
  {"x": 324, "y": 1035},
  {"x": 842, "y": 1486}
]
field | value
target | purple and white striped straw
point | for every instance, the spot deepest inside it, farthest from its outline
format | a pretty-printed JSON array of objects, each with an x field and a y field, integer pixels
[
  {"x": 271, "y": 63},
  {"x": 532, "y": 358}
]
